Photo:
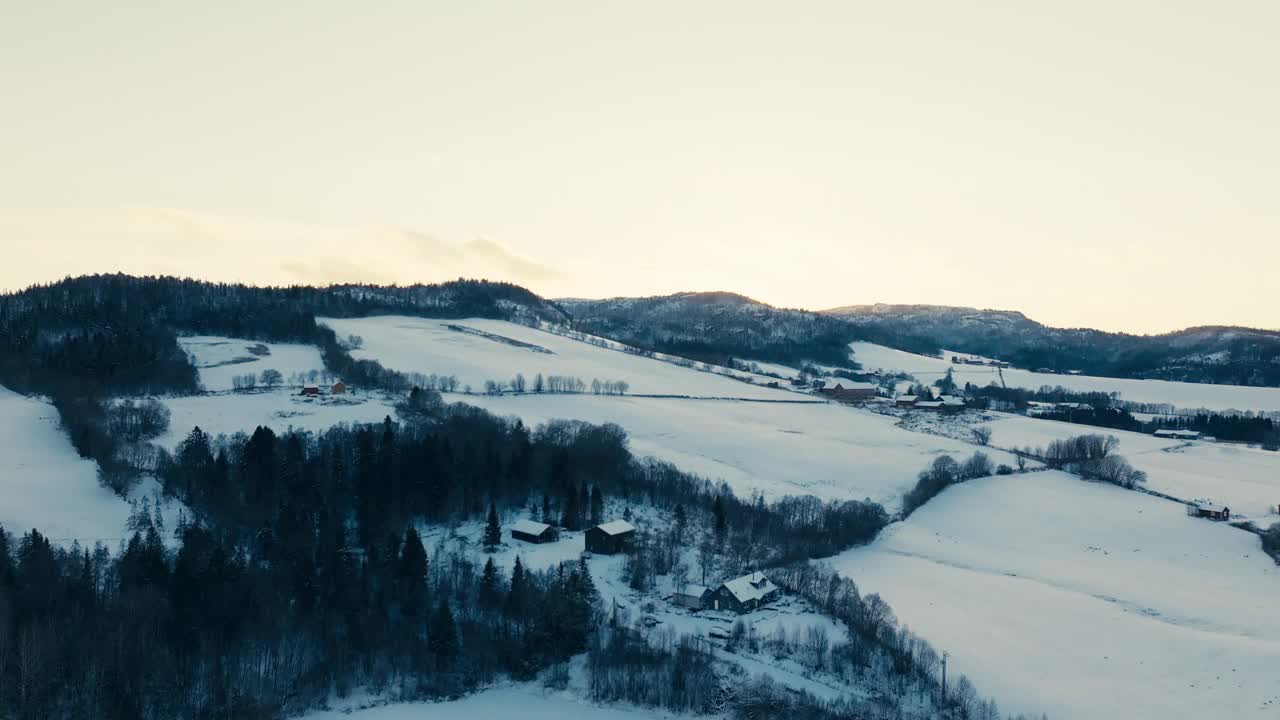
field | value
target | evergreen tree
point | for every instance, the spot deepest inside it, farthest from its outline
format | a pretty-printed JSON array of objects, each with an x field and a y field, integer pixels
[
  {"x": 442, "y": 637},
  {"x": 490, "y": 593},
  {"x": 492, "y": 530},
  {"x": 411, "y": 573},
  {"x": 517, "y": 595},
  {"x": 571, "y": 518},
  {"x": 597, "y": 505},
  {"x": 721, "y": 524}
]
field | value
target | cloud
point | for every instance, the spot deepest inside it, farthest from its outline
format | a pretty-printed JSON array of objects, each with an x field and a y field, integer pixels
[{"x": 159, "y": 241}]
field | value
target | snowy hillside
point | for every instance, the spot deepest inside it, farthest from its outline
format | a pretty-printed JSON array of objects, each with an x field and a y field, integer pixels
[
  {"x": 278, "y": 409},
  {"x": 525, "y": 702},
  {"x": 483, "y": 350},
  {"x": 220, "y": 359},
  {"x": 1083, "y": 600},
  {"x": 1245, "y": 479},
  {"x": 1182, "y": 395},
  {"x": 44, "y": 484},
  {"x": 827, "y": 450}
]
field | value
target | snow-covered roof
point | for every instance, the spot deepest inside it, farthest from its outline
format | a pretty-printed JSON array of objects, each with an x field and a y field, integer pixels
[
  {"x": 833, "y": 383},
  {"x": 1177, "y": 433},
  {"x": 529, "y": 527},
  {"x": 907, "y": 398},
  {"x": 930, "y": 404},
  {"x": 693, "y": 590},
  {"x": 1212, "y": 507},
  {"x": 617, "y": 527},
  {"x": 750, "y": 587},
  {"x": 951, "y": 400}
]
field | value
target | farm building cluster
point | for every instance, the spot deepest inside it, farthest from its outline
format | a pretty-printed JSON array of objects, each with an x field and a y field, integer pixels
[
  {"x": 604, "y": 539},
  {"x": 338, "y": 388},
  {"x": 740, "y": 595},
  {"x": 969, "y": 360},
  {"x": 941, "y": 403},
  {"x": 1036, "y": 408}
]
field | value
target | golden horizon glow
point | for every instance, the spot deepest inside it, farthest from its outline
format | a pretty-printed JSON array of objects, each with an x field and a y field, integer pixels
[{"x": 1107, "y": 165}]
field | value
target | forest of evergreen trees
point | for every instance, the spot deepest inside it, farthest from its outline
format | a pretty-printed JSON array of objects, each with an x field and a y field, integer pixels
[{"x": 299, "y": 571}]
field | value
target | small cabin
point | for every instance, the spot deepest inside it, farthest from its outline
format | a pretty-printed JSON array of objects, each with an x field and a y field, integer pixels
[
  {"x": 1210, "y": 511},
  {"x": 611, "y": 537},
  {"x": 339, "y": 388},
  {"x": 906, "y": 401},
  {"x": 744, "y": 594},
  {"x": 691, "y": 597},
  {"x": 311, "y": 391},
  {"x": 533, "y": 532}
]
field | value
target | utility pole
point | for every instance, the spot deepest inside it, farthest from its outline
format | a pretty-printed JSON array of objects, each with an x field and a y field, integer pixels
[{"x": 944, "y": 678}]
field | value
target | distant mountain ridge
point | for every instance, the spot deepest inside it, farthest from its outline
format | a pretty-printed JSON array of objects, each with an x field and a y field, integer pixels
[
  {"x": 1219, "y": 354},
  {"x": 716, "y": 327}
]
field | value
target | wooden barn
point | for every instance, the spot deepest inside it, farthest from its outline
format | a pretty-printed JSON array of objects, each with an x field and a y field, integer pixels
[
  {"x": 692, "y": 597},
  {"x": 848, "y": 390},
  {"x": 1210, "y": 511},
  {"x": 744, "y": 594},
  {"x": 311, "y": 391},
  {"x": 534, "y": 532},
  {"x": 1177, "y": 434},
  {"x": 906, "y": 401},
  {"x": 611, "y": 537}
]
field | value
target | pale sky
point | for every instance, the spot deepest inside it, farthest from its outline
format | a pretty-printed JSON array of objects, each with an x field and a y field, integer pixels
[{"x": 1108, "y": 164}]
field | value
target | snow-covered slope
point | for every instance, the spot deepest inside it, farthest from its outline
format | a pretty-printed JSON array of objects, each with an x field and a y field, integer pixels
[
  {"x": 522, "y": 702},
  {"x": 44, "y": 484},
  {"x": 1182, "y": 395},
  {"x": 827, "y": 450},
  {"x": 219, "y": 359},
  {"x": 1245, "y": 479},
  {"x": 428, "y": 346},
  {"x": 1084, "y": 600},
  {"x": 278, "y": 409}
]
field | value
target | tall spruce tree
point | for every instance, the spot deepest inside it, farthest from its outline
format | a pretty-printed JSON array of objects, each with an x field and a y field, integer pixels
[{"x": 492, "y": 530}]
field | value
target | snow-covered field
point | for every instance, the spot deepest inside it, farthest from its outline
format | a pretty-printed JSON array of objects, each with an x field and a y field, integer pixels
[
  {"x": 1084, "y": 600},
  {"x": 410, "y": 344},
  {"x": 521, "y": 702},
  {"x": 1020, "y": 431},
  {"x": 220, "y": 359},
  {"x": 278, "y": 409},
  {"x": 1245, "y": 479},
  {"x": 827, "y": 450},
  {"x": 1182, "y": 395},
  {"x": 45, "y": 485}
]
